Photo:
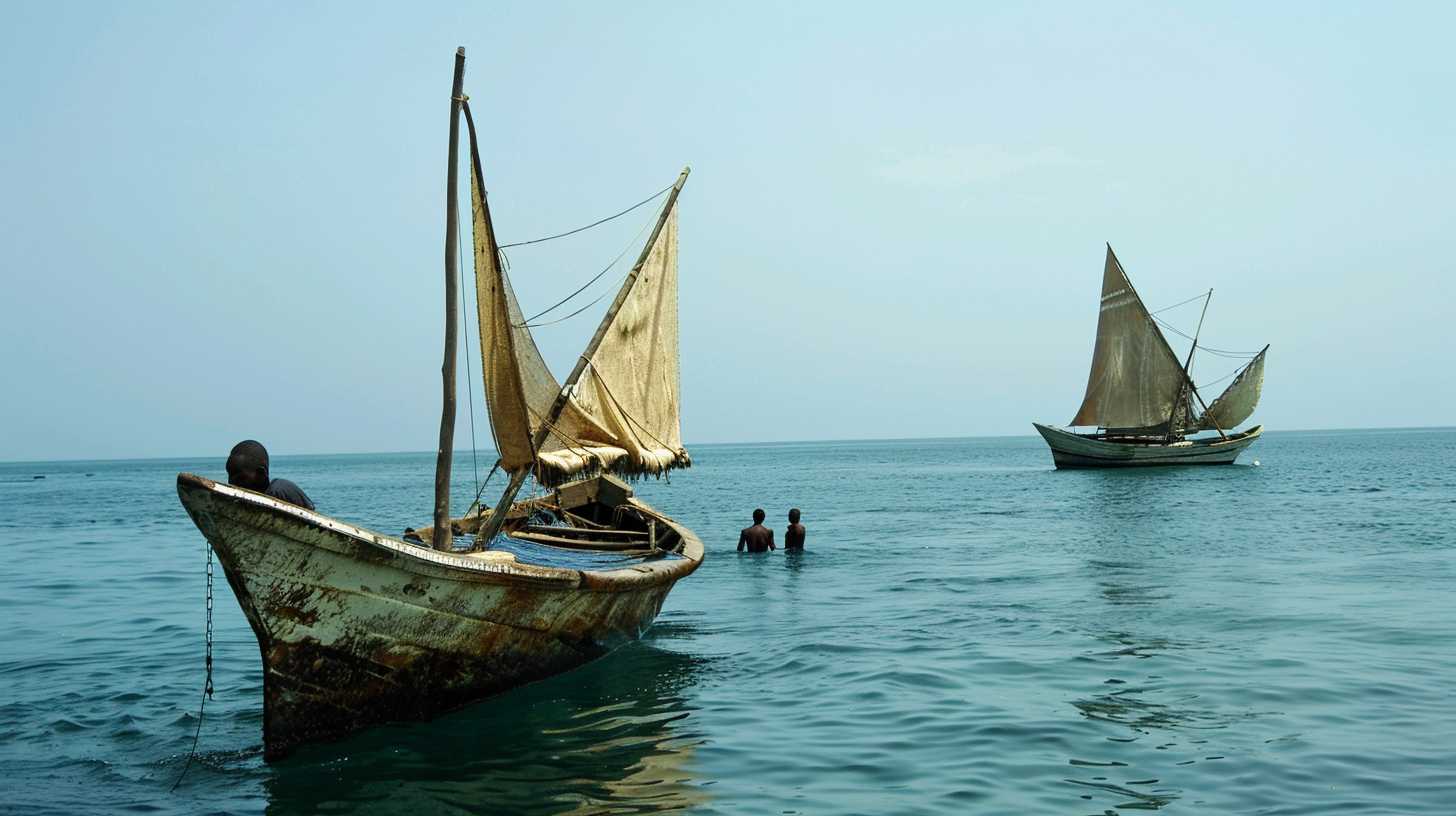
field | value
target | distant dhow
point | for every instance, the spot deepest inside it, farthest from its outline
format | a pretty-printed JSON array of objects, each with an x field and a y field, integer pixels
[{"x": 1140, "y": 398}]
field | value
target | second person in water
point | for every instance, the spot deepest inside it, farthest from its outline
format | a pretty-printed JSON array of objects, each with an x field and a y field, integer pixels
[{"x": 758, "y": 538}]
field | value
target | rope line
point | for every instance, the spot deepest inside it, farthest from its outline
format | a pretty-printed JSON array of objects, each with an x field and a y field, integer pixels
[
  {"x": 572, "y": 443},
  {"x": 480, "y": 491},
  {"x": 557, "y": 304},
  {"x": 1179, "y": 303},
  {"x": 1210, "y": 349},
  {"x": 644, "y": 201},
  {"x": 598, "y": 276},
  {"x": 595, "y": 301},
  {"x": 1233, "y": 373},
  {"x": 629, "y": 417}
]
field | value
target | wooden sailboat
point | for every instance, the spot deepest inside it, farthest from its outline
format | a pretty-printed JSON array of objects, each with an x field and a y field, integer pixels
[
  {"x": 1140, "y": 397},
  {"x": 357, "y": 627}
]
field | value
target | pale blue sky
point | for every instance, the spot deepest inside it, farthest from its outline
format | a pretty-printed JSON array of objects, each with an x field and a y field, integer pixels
[{"x": 226, "y": 221}]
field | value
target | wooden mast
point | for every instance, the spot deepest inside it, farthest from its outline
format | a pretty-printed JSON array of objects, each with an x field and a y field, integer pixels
[
  {"x": 441, "y": 539},
  {"x": 1187, "y": 384},
  {"x": 518, "y": 478}
]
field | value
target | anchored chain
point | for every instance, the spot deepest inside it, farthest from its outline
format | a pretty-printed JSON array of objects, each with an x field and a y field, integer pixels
[{"x": 206, "y": 683}]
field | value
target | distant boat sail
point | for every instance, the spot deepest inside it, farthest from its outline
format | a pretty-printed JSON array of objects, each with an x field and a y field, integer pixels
[
  {"x": 1141, "y": 398},
  {"x": 357, "y": 628}
]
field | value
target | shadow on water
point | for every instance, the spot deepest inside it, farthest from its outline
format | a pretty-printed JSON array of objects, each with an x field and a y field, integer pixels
[{"x": 615, "y": 735}]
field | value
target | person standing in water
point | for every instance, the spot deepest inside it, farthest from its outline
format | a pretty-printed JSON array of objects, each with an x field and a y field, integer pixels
[
  {"x": 757, "y": 538},
  {"x": 794, "y": 535}
]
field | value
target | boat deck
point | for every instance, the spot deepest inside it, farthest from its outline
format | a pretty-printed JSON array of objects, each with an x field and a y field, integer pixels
[{"x": 545, "y": 555}]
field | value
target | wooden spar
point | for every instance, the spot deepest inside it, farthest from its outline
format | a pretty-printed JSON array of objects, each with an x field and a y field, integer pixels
[
  {"x": 518, "y": 478},
  {"x": 442, "y": 535},
  {"x": 1214, "y": 420},
  {"x": 1187, "y": 383}
]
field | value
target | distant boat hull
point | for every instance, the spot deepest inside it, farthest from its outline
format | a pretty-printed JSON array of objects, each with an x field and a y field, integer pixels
[
  {"x": 1070, "y": 450},
  {"x": 357, "y": 628}
]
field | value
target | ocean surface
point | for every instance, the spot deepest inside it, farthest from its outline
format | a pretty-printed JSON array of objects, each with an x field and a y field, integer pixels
[{"x": 969, "y": 631}]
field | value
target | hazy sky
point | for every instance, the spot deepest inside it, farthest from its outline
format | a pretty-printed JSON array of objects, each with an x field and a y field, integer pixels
[{"x": 222, "y": 221}]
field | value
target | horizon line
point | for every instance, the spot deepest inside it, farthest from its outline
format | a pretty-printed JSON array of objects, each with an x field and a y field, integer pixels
[{"x": 460, "y": 451}]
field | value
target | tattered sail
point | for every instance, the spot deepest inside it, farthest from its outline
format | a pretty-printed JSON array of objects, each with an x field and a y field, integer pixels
[
  {"x": 1237, "y": 402},
  {"x": 1135, "y": 378},
  {"x": 632, "y": 383},
  {"x": 623, "y": 416},
  {"x": 499, "y": 363}
]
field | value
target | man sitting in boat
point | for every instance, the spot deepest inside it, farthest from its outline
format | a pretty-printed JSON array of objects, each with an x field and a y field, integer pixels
[
  {"x": 757, "y": 538},
  {"x": 247, "y": 466},
  {"x": 794, "y": 534}
]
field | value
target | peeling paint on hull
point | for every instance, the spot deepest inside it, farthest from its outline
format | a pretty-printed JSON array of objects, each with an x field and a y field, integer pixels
[
  {"x": 357, "y": 628},
  {"x": 1070, "y": 450}
]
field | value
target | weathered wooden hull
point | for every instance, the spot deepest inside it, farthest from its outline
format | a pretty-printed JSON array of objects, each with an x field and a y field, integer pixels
[
  {"x": 1070, "y": 450},
  {"x": 357, "y": 628}
]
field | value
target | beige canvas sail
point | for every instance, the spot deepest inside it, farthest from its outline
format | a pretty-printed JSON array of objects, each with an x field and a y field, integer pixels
[
  {"x": 1237, "y": 402},
  {"x": 623, "y": 416},
  {"x": 632, "y": 382},
  {"x": 499, "y": 364},
  {"x": 1135, "y": 377}
]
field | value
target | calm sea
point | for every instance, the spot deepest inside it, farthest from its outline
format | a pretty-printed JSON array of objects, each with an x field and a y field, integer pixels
[{"x": 969, "y": 631}]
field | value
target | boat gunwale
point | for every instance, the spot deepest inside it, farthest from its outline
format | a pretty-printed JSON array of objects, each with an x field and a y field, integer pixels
[
  {"x": 626, "y": 577},
  {"x": 1230, "y": 439}
]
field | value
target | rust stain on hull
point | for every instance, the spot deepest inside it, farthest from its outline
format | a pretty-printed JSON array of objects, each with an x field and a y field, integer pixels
[{"x": 357, "y": 629}]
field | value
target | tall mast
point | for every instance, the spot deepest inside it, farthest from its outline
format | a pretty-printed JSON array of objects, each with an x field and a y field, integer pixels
[
  {"x": 441, "y": 539},
  {"x": 498, "y": 515},
  {"x": 1187, "y": 384}
]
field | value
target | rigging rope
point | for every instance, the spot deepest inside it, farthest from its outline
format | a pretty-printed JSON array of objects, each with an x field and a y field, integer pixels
[
  {"x": 594, "y": 302},
  {"x": 479, "y": 491},
  {"x": 1221, "y": 352},
  {"x": 1179, "y": 303},
  {"x": 207, "y": 681},
  {"x": 644, "y": 201},
  {"x": 1224, "y": 377},
  {"x": 595, "y": 278},
  {"x": 596, "y": 374},
  {"x": 598, "y": 276}
]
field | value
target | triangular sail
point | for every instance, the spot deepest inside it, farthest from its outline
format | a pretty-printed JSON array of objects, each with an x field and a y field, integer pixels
[
  {"x": 499, "y": 363},
  {"x": 1237, "y": 402},
  {"x": 1135, "y": 378},
  {"x": 623, "y": 415},
  {"x": 632, "y": 381}
]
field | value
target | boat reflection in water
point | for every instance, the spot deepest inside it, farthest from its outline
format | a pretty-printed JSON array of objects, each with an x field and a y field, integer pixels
[
  {"x": 616, "y": 735},
  {"x": 1148, "y": 723}
]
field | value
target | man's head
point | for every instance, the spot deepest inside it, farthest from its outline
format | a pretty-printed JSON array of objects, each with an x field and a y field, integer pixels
[
  {"x": 247, "y": 465},
  {"x": 759, "y": 516},
  {"x": 794, "y": 516}
]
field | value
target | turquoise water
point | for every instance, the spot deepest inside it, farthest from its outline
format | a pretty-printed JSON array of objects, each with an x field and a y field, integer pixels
[{"x": 968, "y": 631}]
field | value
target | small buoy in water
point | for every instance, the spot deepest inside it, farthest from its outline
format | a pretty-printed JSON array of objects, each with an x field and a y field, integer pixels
[{"x": 1256, "y": 463}]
